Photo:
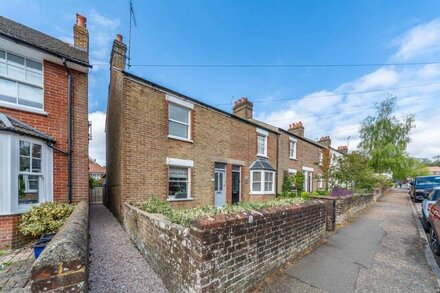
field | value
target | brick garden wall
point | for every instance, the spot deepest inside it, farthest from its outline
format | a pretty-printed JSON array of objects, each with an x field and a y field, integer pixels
[
  {"x": 63, "y": 264},
  {"x": 10, "y": 235},
  {"x": 226, "y": 253},
  {"x": 341, "y": 210}
]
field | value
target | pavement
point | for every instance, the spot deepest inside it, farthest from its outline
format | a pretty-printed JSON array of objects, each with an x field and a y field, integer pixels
[
  {"x": 381, "y": 251},
  {"x": 115, "y": 264},
  {"x": 15, "y": 267}
]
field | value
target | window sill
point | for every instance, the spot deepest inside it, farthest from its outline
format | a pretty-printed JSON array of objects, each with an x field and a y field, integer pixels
[
  {"x": 23, "y": 108},
  {"x": 263, "y": 156},
  {"x": 180, "y": 138},
  {"x": 295, "y": 159},
  {"x": 180, "y": 199}
]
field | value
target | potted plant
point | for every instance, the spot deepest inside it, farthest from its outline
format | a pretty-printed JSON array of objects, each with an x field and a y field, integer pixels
[{"x": 44, "y": 221}]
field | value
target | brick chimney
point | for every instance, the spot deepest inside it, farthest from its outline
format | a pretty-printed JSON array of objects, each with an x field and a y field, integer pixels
[
  {"x": 243, "y": 108},
  {"x": 297, "y": 128},
  {"x": 325, "y": 141},
  {"x": 118, "y": 54},
  {"x": 343, "y": 149},
  {"x": 80, "y": 33}
]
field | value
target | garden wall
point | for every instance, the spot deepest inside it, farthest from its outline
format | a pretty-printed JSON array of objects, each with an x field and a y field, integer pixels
[
  {"x": 62, "y": 266},
  {"x": 227, "y": 252},
  {"x": 342, "y": 209}
]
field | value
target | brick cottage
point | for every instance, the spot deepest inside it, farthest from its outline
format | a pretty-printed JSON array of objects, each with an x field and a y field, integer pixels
[
  {"x": 165, "y": 144},
  {"x": 43, "y": 121}
]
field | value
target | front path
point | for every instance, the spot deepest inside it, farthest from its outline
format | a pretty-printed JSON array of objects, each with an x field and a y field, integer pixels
[
  {"x": 15, "y": 267},
  {"x": 380, "y": 252},
  {"x": 115, "y": 264}
]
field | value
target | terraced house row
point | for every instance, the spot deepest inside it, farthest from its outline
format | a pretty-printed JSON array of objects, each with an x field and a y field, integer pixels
[{"x": 161, "y": 143}]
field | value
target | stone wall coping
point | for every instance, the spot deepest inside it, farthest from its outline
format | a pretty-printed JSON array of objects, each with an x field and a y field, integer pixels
[
  {"x": 226, "y": 220},
  {"x": 69, "y": 246},
  {"x": 328, "y": 197}
]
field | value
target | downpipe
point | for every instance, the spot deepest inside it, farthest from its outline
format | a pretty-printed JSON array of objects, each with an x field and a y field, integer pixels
[{"x": 69, "y": 131}]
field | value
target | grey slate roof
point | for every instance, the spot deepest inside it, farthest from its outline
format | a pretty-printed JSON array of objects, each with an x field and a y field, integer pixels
[
  {"x": 261, "y": 164},
  {"x": 8, "y": 123},
  {"x": 36, "y": 39}
]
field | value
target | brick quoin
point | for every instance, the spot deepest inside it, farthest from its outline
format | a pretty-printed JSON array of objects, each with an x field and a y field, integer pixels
[{"x": 55, "y": 125}]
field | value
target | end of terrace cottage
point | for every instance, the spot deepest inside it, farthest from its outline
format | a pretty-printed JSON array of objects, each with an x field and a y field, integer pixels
[{"x": 162, "y": 143}]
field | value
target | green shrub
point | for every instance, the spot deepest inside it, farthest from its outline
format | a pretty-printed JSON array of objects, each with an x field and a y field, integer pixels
[
  {"x": 305, "y": 195},
  {"x": 323, "y": 192},
  {"x": 184, "y": 216},
  {"x": 299, "y": 181},
  {"x": 288, "y": 182},
  {"x": 45, "y": 218}
]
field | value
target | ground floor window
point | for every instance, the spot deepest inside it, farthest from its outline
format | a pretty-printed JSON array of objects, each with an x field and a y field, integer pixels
[
  {"x": 320, "y": 183},
  {"x": 262, "y": 182},
  {"x": 178, "y": 182},
  {"x": 28, "y": 173}
]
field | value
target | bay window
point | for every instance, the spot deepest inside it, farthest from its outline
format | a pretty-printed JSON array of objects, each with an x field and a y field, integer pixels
[
  {"x": 262, "y": 182},
  {"x": 21, "y": 81},
  {"x": 26, "y": 165}
]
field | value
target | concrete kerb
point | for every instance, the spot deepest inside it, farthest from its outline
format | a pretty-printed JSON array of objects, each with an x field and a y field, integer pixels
[{"x": 430, "y": 258}]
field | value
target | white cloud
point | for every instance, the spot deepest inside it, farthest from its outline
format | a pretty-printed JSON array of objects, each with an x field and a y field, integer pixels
[
  {"x": 420, "y": 41},
  {"x": 97, "y": 144},
  {"x": 417, "y": 89}
]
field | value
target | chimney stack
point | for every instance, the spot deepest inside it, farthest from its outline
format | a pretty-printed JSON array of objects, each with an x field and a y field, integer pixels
[
  {"x": 118, "y": 54},
  {"x": 243, "y": 108},
  {"x": 297, "y": 128},
  {"x": 325, "y": 141},
  {"x": 343, "y": 149},
  {"x": 80, "y": 33}
]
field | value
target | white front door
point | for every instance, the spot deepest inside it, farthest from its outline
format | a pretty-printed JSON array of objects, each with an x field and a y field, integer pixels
[
  {"x": 308, "y": 181},
  {"x": 220, "y": 188}
]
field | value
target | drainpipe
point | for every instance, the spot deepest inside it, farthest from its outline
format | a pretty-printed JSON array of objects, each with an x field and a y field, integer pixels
[
  {"x": 277, "y": 164},
  {"x": 69, "y": 132}
]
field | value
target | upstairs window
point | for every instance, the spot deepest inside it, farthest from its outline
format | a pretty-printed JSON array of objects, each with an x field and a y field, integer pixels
[
  {"x": 292, "y": 148},
  {"x": 179, "y": 121},
  {"x": 320, "y": 158},
  {"x": 262, "y": 142},
  {"x": 21, "y": 81}
]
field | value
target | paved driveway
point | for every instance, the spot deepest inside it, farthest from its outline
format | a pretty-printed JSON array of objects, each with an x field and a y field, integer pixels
[{"x": 382, "y": 251}]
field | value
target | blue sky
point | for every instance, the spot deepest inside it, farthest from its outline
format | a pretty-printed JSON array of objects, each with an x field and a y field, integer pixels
[{"x": 267, "y": 32}]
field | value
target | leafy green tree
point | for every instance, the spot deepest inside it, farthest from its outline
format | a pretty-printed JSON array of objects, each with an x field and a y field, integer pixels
[
  {"x": 94, "y": 183},
  {"x": 411, "y": 167},
  {"x": 384, "y": 138},
  {"x": 353, "y": 171}
]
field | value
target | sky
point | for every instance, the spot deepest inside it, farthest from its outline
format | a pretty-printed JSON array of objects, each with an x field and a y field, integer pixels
[{"x": 328, "y": 100}]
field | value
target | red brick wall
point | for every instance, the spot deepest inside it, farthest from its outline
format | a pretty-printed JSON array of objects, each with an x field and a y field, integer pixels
[
  {"x": 10, "y": 235},
  {"x": 55, "y": 125}
]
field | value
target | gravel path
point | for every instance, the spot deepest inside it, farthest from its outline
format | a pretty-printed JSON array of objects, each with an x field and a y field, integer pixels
[{"x": 115, "y": 264}]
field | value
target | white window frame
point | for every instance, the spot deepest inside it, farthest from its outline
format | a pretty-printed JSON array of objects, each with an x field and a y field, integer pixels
[
  {"x": 265, "y": 134},
  {"x": 320, "y": 182},
  {"x": 294, "y": 142},
  {"x": 9, "y": 156},
  {"x": 320, "y": 157},
  {"x": 180, "y": 163},
  {"x": 262, "y": 181},
  {"x": 188, "y": 125},
  {"x": 25, "y": 82}
]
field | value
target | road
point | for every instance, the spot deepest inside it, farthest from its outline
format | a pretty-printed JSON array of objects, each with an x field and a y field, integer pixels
[{"x": 381, "y": 251}]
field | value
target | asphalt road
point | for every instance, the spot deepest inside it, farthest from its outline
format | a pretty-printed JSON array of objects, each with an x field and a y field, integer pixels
[{"x": 381, "y": 251}]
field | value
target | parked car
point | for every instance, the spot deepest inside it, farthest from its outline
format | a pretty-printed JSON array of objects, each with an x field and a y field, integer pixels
[
  {"x": 434, "y": 221},
  {"x": 426, "y": 204},
  {"x": 422, "y": 186}
]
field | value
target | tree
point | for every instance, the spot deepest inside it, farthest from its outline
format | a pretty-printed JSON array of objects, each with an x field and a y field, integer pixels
[
  {"x": 287, "y": 182},
  {"x": 353, "y": 171},
  {"x": 384, "y": 138},
  {"x": 411, "y": 168},
  {"x": 299, "y": 181}
]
